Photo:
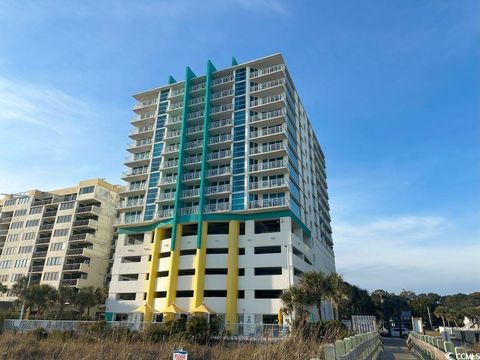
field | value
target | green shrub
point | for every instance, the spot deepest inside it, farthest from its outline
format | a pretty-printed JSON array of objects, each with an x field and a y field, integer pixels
[
  {"x": 39, "y": 333},
  {"x": 198, "y": 328},
  {"x": 157, "y": 332},
  {"x": 178, "y": 326}
]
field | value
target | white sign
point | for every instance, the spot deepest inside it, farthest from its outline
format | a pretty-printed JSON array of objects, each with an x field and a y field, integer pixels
[{"x": 180, "y": 355}]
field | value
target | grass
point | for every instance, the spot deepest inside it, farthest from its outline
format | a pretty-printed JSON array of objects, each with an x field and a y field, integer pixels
[{"x": 59, "y": 345}]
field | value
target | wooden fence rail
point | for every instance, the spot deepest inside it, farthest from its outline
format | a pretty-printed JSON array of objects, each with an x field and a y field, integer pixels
[{"x": 366, "y": 346}]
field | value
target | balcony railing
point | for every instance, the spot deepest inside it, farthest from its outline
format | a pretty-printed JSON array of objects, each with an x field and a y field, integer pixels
[
  {"x": 5, "y": 220},
  {"x": 191, "y": 176},
  {"x": 218, "y": 207},
  {"x": 196, "y": 101},
  {"x": 168, "y": 179},
  {"x": 267, "y": 85},
  {"x": 166, "y": 213},
  {"x": 75, "y": 266},
  {"x": 222, "y": 94},
  {"x": 43, "y": 240},
  {"x": 134, "y": 172},
  {"x": 192, "y": 160},
  {"x": 195, "y": 115},
  {"x": 220, "y": 123},
  {"x": 277, "y": 164},
  {"x": 169, "y": 164},
  {"x": 267, "y": 100},
  {"x": 190, "y": 193},
  {"x": 267, "y": 148},
  {"x": 173, "y": 134},
  {"x": 177, "y": 92},
  {"x": 83, "y": 236},
  {"x": 46, "y": 227},
  {"x": 197, "y": 87},
  {"x": 189, "y": 210},
  {"x": 135, "y": 187},
  {"x": 144, "y": 116},
  {"x": 218, "y": 172},
  {"x": 166, "y": 196},
  {"x": 173, "y": 119},
  {"x": 221, "y": 108},
  {"x": 274, "y": 130},
  {"x": 141, "y": 130},
  {"x": 222, "y": 80},
  {"x": 79, "y": 251},
  {"x": 86, "y": 222},
  {"x": 145, "y": 103},
  {"x": 129, "y": 219},
  {"x": 50, "y": 213},
  {"x": 194, "y": 129},
  {"x": 70, "y": 282},
  {"x": 136, "y": 157},
  {"x": 131, "y": 203},
  {"x": 90, "y": 208},
  {"x": 172, "y": 148},
  {"x": 219, "y": 155},
  {"x": 219, "y": 139},
  {"x": 266, "y": 71},
  {"x": 193, "y": 144},
  {"x": 175, "y": 106},
  {"x": 37, "y": 268},
  {"x": 38, "y": 254},
  {"x": 266, "y": 203},
  {"x": 136, "y": 144},
  {"x": 217, "y": 189},
  {"x": 267, "y": 184}
]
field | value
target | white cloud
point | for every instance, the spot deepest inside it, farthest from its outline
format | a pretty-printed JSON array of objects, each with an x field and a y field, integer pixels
[{"x": 421, "y": 253}]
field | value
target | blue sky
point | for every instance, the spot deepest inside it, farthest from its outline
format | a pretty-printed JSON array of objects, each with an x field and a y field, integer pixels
[{"x": 391, "y": 87}]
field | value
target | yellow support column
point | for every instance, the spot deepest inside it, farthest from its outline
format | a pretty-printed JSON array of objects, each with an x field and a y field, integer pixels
[
  {"x": 232, "y": 274},
  {"x": 158, "y": 236},
  {"x": 173, "y": 271},
  {"x": 199, "y": 278}
]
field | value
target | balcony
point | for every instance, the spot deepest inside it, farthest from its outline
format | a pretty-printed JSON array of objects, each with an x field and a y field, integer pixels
[
  {"x": 267, "y": 100},
  {"x": 134, "y": 188},
  {"x": 145, "y": 103},
  {"x": 89, "y": 223},
  {"x": 195, "y": 115},
  {"x": 39, "y": 254},
  {"x": 171, "y": 148},
  {"x": 88, "y": 209},
  {"x": 127, "y": 204},
  {"x": 144, "y": 144},
  {"x": 166, "y": 180},
  {"x": 269, "y": 166},
  {"x": 192, "y": 160},
  {"x": 83, "y": 267},
  {"x": 36, "y": 268},
  {"x": 163, "y": 214},
  {"x": 175, "y": 106},
  {"x": 51, "y": 213},
  {"x": 135, "y": 173},
  {"x": 192, "y": 176},
  {"x": 267, "y": 85},
  {"x": 140, "y": 131},
  {"x": 221, "y": 109},
  {"x": 5, "y": 220},
  {"x": 217, "y": 189},
  {"x": 191, "y": 210},
  {"x": 213, "y": 140},
  {"x": 137, "y": 158},
  {"x": 273, "y": 133},
  {"x": 197, "y": 87},
  {"x": 124, "y": 220},
  {"x": 176, "y": 92},
  {"x": 71, "y": 282},
  {"x": 86, "y": 252},
  {"x": 220, "y": 124},
  {"x": 173, "y": 134},
  {"x": 223, "y": 171},
  {"x": 221, "y": 94},
  {"x": 222, "y": 80},
  {"x": 219, "y": 155},
  {"x": 267, "y": 71},
  {"x": 194, "y": 129},
  {"x": 3, "y": 232},
  {"x": 268, "y": 184},
  {"x": 85, "y": 237},
  {"x": 42, "y": 202},
  {"x": 196, "y": 101},
  {"x": 268, "y": 203},
  {"x": 268, "y": 149},
  {"x": 218, "y": 207},
  {"x": 193, "y": 144},
  {"x": 46, "y": 227},
  {"x": 190, "y": 193},
  {"x": 168, "y": 164},
  {"x": 43, "y": 240},
  {"x": 162, "y": 197},
  {"x": 144, "y": 117},
  {"x": 173, "y": 119}
]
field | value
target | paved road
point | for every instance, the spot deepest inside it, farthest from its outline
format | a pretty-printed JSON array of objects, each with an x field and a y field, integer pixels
[{"x": 395, "y": 349}]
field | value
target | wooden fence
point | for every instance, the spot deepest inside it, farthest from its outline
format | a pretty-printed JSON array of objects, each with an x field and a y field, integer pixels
[{"x": 367, "y": 346}]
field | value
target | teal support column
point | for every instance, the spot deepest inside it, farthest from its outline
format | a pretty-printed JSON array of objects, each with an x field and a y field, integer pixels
[
  {"x": 206, "y": 123},
  {"x": 234, "y": 61},
  {"x": 171, "y": 80},
  {"x": 178, "y": 188}
]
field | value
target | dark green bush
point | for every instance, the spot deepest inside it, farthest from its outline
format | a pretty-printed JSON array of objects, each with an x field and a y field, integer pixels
[
  {"x": 198, "y": 328},
  {"x": 157, "y": 332},
  {"x": 178, "y": 326},
  {"x": 40, "y": 333}
]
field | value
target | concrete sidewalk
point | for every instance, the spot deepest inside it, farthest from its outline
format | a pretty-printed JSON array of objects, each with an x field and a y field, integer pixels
[{"x": 396, "y": 349}]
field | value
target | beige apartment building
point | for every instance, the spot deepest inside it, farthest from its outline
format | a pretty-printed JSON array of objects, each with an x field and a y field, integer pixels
[{"x": 58, "y": 237}]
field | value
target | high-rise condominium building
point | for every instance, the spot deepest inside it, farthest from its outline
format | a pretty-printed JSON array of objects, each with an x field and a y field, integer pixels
[
  {"x": 57, "y": 237},
  {"x": 226, "y": 203}
]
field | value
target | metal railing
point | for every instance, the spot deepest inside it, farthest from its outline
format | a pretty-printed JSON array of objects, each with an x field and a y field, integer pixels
[
  {"x": 193, "y": 144},
  {"x": 168, "y": 179},
  {"x": 197, "y": 87},
  {"x": 267, "y": 85},
  {"x": 89, "y": 208},
  {"x": 219, "y": 139},
  {"x": 218, "y": 207},
  {"x": 171, "y": 148},
  {"x": 218, "y": 172},
  {"x": 137, "y": 157},
  {"x": 266, "y": 184},
  {"x": 145, "y": 103},
  {"x": 267, "y": 115},
  {"x": 177, "y": 92},
  {"x": 135, "y": 187},
  {"x": 190, "y": 193},
  {"x": 169, "y": 164},
  {"x": 197, "y": 100},
  {"x": 270, "y": 165},
  {"x": 161, "y": 214},
  {"x": 220, "y": 123},
  {"x": 217, "y": 189},
  {"x": 166, "y": 196},
  {"x": 267, "y": 148},
  {"x": 191, "y": 176},
  {"x": 175, "y": 106},
  {"x": 267, "y": 100},
  {"x": 195, "y": 115},
  {"x": 84, "y": 236},
  {"x": 266, "y": 71},
  {"x": 194, "y": 129},
  {"x": 192, "y": 160},
  {"x": 216, "y": 155},
  {"x": 222, "y": 80},
  {"x": 141, "y": 130},
  {"x": 172, "y": 134},
  {"x": 173, "y": 119},
  {"x": 131, "y": 203},
  {"x": 144, "y": 116},
  {"x": 134, "y": 172},
  {"x": 266, "y": 203},
  {"x": 129, "y": 219},
  {"x": 189, "y": 210},
  {"x": 221, "y": 94},
  {"x": 273, "y": 130},
  {"x": 62, "y": 325},
  {"x": 221, "y": 108}
]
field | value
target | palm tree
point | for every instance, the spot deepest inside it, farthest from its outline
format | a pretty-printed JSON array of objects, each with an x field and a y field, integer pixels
[
  {"x": 441, "y": 312},
  {"x": 294, "y": 302},
  {"x": 336, "y": 290},
  {"x": 19, "y": 289},
  {"x": 65, "y": 294},
  {"x": 3, "y": 288},
  {"x": 41, "y": 296},
  {"x": 85, "y": 299},
  {"x": 315, "y": 286}
]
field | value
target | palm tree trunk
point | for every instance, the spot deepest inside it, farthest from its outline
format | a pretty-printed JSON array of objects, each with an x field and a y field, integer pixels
[{"x": 443, "y": 320}]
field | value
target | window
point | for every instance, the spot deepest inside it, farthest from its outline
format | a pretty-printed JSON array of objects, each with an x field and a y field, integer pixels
[
  {"x": 217, "y": 251},
  {"x": 215, "y": 293},
  {"x": 16, "y": 225},
  {"x": 60, "y": 232},
  {"x": 127, "y": 277},
  {"x": 241, "y": 294},
  {"x": 241, "y": 272},
  {"x": 217, "y": 228},
  {"x": 67, "y": 205},
  {"x": 242, "y": 228},
  {"x": 3, "y": 278},
  {"x": 277, "y": 270},
  {"x": 20, "y": 212},
  {"x": 267, "y": 294},
  {"x": 183, "y": 272},
  {"x": 134, "y": 239},
  {"x": 297, "y": 272},
  {"x": 54, "y": 261},
  {"x": 191, "y": 229},
  {"x": 50, "y": 276},
  {"x": 64, "y": 219},
  {"x": 268, "y": 249},
  {"x": 188, "y": 252},
  {"x": 87, "y": 190},
  {"x": 15, "y": 277},
  {"x": 12, "y": 237},
  {"x": 161, "y": 294},
  {"x": 184, "y": 293},
  {"x": 216, "y": 271},
  {"x": 23, "y": 200},
  {"x": 5, "y": 264},
  {"x": 25, "y": 249},
  {"x": 131, "y": 259},
  {"x": 9, "y": 251},
  {"x": 162, "y": 274},
  {"x": 127, "y": 296},
  {"x": 21, "y": 263},
  {"x": 36, "y": 210},
  {"x": 164, "y": 254},
  {"x": 241, "y": 251},
  {"x": 28, "y": 236},
  {"x": 31, "y": 223},
  {"x": 10, "y": 202},
  {"x": 58, "y": 246},
  {"x": 267, "y": 226}
]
